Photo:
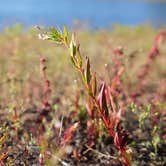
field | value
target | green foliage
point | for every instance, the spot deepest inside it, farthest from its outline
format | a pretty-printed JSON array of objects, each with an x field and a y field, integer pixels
[
  {"x": 143, "y": 115},
  {"x": 155, "y": 141},
  {"x": 82, "y": 113},
  {"x": 133, "y": 107},
  {"x": 14, "y": 30},
  {"x": 55, "y": 35},
  {"x": 111, "y": 120}
]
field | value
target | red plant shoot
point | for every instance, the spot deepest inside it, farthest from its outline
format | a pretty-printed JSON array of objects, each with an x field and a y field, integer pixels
[
  {"x": 47, "y": 88},
  {"x": 111, "y": 117}
]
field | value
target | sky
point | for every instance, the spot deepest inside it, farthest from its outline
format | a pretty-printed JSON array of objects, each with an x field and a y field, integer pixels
[{"x": 98, "y": 13}]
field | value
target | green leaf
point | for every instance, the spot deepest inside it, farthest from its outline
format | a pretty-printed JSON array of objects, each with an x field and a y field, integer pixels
[
  {"x": 73, "y": 48},
  {"x": 155, "y": 141},
  {"x": 88, "y": 72},
  {"x": 55, "y": 35},
  {"x": 65, "y": 33},
  {"x": 73, "y": 62},
  {"x": 79, "y": 58}
]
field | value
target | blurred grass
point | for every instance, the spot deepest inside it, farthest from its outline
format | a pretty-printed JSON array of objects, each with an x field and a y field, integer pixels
[{"x": 20, "y": 50}]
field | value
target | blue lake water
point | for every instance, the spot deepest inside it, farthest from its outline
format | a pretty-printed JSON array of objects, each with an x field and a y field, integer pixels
[{"x": 97, "y": 13}]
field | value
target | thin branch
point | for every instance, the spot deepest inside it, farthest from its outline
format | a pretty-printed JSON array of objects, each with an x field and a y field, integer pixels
[{"x": 101, "y": 154}]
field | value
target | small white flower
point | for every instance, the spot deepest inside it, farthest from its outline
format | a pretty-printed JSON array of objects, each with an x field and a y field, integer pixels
[{"x": 43, "y": 36}]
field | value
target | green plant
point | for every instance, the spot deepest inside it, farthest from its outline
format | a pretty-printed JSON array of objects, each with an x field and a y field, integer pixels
[
  {"x": 102, "y": 100},
  {"x": 3, "y": 139}
]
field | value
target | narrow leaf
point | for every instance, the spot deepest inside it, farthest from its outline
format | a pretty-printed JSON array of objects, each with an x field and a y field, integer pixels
[
  {"x": 102, "y": 100},
  {"x": 65, "y": 33},
  {"x": 88, "y": 72},
  {"x": 79, "y": 58},
  {"x": 73, "y": 62},
  {"x": 73, "y": 47},
  {"x": 68, "y": 134},
  {"x": 94, "y": 84}
]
